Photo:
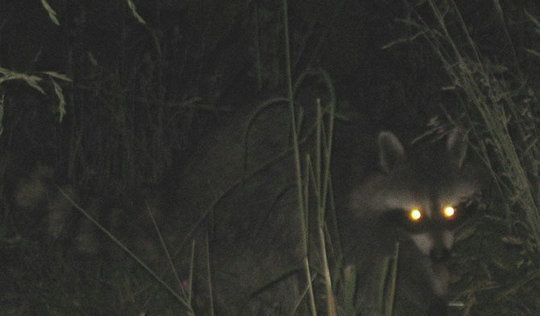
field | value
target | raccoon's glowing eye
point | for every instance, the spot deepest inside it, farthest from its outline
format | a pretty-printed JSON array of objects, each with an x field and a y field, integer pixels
[
  {"x": 449, "y": 212},
  {"x": 415, "y": 215}
]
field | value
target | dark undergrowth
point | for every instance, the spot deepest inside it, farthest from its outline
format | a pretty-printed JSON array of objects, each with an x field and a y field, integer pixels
[{"x": 121, "y": 119}]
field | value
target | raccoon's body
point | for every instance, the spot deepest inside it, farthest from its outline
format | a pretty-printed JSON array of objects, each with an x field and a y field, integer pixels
[
  {"x": 252, "y": 222},
  {"x": 236, "y": 208},
  {"x": 27, "y": 193},
  {"x": 43, "y": 211},
  {"x": 415, "y": 203}
]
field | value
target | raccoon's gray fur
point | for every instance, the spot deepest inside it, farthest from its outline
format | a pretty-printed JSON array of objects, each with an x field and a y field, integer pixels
[
  {"x": 248, "y": 215},
  {"x": 378, "y": 219},
  {"x": 37, "y": 209},
  {"x": 239, "y": 188},
  {"x": 236, "y": 205},
  {"x": 41, "y": 211},
  {"x": 27, "y": 191}
]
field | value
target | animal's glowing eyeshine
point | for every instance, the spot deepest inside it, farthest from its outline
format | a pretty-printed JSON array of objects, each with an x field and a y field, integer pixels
[
  {"x": 415, "y": 215},
  {"x": 449, "y": 212}
]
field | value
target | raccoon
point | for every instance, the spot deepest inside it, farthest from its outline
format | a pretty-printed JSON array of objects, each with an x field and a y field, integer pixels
[
  {"x": 415, "y": 203},
  {"x": 36, "y": 208},
  {"x": 243, "y": 225},
  {"x": 239, "y": 204},
  {"x": 52, "y": 214}
]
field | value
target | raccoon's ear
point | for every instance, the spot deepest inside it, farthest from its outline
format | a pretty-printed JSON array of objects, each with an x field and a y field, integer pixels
[
  {"x": 390, "y": 151},
  {"x": 456, "y": 145}
]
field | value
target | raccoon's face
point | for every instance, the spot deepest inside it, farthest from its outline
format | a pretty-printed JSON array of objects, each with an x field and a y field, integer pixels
[
  {"x": 430, "y": 221},
  {"x": 426, "y": 196}
]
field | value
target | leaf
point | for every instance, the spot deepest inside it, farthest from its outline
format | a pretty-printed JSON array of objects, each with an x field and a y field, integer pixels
[
  {"x": 4, "y": 71},
  {"x": 57, "y": 75},
  {"x": 533, "y": 19},
  {"x": 50, "y": 11},
  {"x": 1, "y": 114},
  {"x": 92, "y": 59},
  {"x": 133, "y": 9},
  {"x": 31, "y": 80},
  {"x": 532, "y": 52},
  {"x": 61, "y": 107}
]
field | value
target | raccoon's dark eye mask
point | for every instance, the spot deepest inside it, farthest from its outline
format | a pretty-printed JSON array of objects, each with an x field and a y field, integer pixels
[
  {"x": 417, "y": 221},
  {"x": 411, "y": 220}
]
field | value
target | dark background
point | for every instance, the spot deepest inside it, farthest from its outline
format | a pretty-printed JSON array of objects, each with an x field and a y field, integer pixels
[
  {"x": 158, "y": 87},
  {"x": 144, "y": 98}
]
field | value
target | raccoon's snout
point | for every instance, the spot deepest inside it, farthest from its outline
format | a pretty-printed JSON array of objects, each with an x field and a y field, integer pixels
[
  {"x": 439, "y": 254},
  {"x": 436, "y": 246}
]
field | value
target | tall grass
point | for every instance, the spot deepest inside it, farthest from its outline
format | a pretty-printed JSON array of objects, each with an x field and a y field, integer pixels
[
  {"x": 297, "y": 159},
  {"x": 501, "y": 109},
  {"x": 183, "y": 296},
  {"x": 496, "y": 109},
  {"x": 313, "y": 174}
]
